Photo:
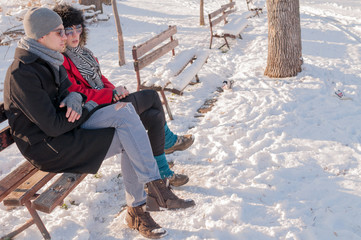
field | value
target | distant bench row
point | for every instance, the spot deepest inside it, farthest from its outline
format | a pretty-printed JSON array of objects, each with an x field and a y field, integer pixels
[{"x": 177, "y": 74}]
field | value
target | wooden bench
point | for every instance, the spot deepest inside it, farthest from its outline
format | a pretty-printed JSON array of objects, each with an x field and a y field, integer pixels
[
  {"x": 20, "y": 187},
  {"x": 174, "y": 76},
  {"x": 255, "y": 6},
  {"x": 231, "y": 28}
]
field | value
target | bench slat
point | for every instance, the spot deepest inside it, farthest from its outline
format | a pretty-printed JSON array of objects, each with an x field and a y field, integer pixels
[
  {"x": 5, "y": 138},
  {"x": 229, "y": 5},
  {"x": 15, "y": 178},
  {"x": 215, "y": 13},
  {"x": 28, "y": 189},
  {"x": 229, "y": 12},
  {"x": 152, "y": 56},
  {"x": 218, "y": 20},
  {"x": 151, "y": 43},
  {"x": 55, "y": 194}
]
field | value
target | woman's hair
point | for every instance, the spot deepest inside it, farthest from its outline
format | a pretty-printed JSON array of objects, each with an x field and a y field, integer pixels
[{"x": 72, "y": 16}]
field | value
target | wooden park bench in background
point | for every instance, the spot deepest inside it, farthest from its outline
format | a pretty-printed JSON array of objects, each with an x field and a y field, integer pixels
[
  {"x": 255, "y": 6},
  {"x": 20, "y": 187},
  {"x": 231, "y": 28},
  {"x": 174, "y": 76}
]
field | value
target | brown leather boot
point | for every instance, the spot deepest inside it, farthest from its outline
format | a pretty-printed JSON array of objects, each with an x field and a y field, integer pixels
[
  {"x": 161, "y": 196},
  {"x": 137, "y": 218}
]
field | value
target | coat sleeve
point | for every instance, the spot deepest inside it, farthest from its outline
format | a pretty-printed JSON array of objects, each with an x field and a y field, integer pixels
[
  {"x": 30, "y": 97},
  {"x": 78, "y": 84}
]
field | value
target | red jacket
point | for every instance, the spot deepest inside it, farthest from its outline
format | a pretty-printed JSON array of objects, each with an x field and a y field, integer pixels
[{"x": 79, "y": 84}]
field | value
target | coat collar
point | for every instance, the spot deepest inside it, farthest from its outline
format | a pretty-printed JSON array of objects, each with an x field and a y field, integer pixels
[{"x": 25, "y": 56}]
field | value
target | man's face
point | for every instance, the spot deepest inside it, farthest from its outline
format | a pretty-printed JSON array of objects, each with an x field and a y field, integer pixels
[{"x": 55, "y": 40}]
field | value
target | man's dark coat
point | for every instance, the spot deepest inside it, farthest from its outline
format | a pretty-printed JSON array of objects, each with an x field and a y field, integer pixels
[{"x": 33, "y": 90}]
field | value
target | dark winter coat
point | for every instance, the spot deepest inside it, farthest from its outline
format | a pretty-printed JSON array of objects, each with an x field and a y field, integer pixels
[{"x": 33, "y": 90}]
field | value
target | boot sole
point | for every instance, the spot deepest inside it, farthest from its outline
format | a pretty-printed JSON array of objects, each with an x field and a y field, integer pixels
[
  {"x": 153, "y": 206},
  {"x": 178, "y": 185},
  {"x": 151, "y": 237},
  {"x": 144, "y": 235}
]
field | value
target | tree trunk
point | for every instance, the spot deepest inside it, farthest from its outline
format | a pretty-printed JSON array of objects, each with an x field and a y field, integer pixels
[
  {"x": 120, "y": 34},
  {"x": 284, "y": 39},
  {"x": 98, "y": 4},
  {"x": 201, "y": 15}
]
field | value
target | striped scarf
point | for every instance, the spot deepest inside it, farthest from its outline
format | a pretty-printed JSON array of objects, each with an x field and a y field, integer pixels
[{"x": 88, "y": 67}]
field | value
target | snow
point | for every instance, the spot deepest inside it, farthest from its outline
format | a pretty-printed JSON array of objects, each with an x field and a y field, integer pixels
[
  {"x": 273, "y": 159},
  {"x": 234, "y": 27},
  {"x": 174, "y": 72}
]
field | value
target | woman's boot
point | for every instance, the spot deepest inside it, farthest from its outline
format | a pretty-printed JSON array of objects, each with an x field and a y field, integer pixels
[
  {"x": 160, "y": 196},
  {"x": 138, "y": 218}
]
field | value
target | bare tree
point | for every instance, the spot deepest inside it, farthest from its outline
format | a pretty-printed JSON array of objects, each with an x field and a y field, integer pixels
[
  {"x": 284, "y": 38},
  {"x": 120, "y": 34},
  {"x": 201, "y": 15}
]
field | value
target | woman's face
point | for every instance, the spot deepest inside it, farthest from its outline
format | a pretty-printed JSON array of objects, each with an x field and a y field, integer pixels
[{"x": 73, "y": 34}]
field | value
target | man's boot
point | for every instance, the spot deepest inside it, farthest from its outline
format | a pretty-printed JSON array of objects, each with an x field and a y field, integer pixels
[
  {"x": 161, "y": 196},
  {"x": 138, "y": 218}
]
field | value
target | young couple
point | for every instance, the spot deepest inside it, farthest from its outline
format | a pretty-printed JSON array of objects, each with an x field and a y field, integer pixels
[{"x": 62, "y": 131}]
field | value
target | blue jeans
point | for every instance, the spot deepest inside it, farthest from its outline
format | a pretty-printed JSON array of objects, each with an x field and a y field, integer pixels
[{"x": 131, "y": 140}]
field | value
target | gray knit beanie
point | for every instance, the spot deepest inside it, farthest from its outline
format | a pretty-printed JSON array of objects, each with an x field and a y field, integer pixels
[{"x": 40, "y": 21}]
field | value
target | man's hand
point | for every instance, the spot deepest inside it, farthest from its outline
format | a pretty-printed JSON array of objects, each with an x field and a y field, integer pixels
[
  {"x": 119, "y": 93},
  {"x": 73, "y": 102}
]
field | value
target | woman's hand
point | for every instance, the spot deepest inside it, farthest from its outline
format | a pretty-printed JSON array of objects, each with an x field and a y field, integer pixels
[{"x": 119, "y": 93}]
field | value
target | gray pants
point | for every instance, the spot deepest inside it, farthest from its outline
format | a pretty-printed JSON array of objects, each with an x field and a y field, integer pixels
[{"x": 130, "y": 138}]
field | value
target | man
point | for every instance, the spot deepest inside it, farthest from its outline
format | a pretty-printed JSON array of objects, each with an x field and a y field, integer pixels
[{"x": 52, "y": 127}]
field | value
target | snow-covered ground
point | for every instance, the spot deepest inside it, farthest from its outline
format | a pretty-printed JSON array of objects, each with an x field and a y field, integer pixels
[{"x": 273, "y": 159}]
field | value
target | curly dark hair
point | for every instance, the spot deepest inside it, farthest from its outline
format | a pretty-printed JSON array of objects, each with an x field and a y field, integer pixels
[{"x": 72, "y": 16}]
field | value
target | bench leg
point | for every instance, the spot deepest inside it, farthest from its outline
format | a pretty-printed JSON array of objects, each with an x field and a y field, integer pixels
[
  {"x": 18, "y": 230},
  {"x": 165, "y": 102},
  {"x": 197, "y": 78},
  {"x": 37, "y": 221},
  {"x": 210, "y": 45},
  {"x": 225, "y": 39}
]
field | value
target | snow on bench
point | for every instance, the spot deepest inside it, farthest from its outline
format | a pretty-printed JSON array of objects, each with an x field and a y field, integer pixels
[
  {"x": 233, "y": 27},
  {"x": 174, "y": 76}
]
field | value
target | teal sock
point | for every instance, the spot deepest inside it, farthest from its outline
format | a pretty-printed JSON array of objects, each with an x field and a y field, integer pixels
[
  {"x": 163, "y": 166},
  {"x": 170, "y": 137}
]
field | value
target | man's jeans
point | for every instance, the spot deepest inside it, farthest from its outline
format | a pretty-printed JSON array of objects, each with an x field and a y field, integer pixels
[{"x": 130, "y": 138}]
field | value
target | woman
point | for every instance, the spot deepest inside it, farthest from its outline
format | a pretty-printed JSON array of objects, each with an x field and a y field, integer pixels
[{"x": 84, "y": 72}]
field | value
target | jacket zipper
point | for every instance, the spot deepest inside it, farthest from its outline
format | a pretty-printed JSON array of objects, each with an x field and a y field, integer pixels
[{"x": 51, "y": 147}]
